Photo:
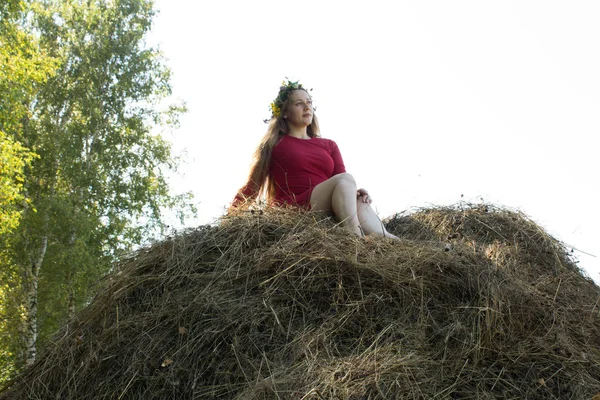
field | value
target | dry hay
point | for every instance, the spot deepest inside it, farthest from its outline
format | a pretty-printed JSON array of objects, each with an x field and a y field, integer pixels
[{"x": 474, "y": 302}]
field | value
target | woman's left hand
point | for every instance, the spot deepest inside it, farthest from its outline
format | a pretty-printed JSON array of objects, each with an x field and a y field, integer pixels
[{"x": 363, "y": 195}]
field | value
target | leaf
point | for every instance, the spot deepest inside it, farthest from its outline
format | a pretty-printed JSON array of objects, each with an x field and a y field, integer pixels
[{"x": 182, "y": 330}]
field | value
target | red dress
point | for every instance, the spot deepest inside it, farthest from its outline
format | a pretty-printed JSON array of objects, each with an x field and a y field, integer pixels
[{"x": 297, "y": 166}]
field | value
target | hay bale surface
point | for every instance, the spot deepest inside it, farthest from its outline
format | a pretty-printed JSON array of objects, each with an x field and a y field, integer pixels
[{"x": 475, "y": 302}]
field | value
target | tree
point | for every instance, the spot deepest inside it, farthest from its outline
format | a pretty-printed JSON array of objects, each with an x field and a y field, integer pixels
[
  {"x": 13, "y": 158},
  {"x": 98, "y": 186},
  {"x": 24, "y": 67}
]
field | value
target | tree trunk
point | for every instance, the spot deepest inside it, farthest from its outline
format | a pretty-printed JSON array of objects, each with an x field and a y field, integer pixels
[
  {"x": 71, "y": 302},
  {"x": 31, "y": 291},
  {"x": 70, "y": 278}
]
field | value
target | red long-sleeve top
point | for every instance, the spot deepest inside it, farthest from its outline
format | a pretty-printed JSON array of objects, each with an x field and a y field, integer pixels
[{"x": 297, "y": 166}]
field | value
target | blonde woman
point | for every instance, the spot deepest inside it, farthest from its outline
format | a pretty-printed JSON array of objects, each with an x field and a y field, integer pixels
[{"x": 295, "y": 166}]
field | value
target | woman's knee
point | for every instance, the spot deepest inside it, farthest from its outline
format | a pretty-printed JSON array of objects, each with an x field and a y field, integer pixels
[
  {"x": 323, "y": 193},
  {"x": 346, "y": 179}
]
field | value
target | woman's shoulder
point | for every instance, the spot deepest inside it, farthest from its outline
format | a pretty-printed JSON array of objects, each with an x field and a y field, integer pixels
[
  {"x": 324, "y": 140},
  {"x": 327, "y": 142}
]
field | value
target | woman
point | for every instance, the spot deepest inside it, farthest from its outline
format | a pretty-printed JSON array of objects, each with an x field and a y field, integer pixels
[{"x": 295, "y": 166}]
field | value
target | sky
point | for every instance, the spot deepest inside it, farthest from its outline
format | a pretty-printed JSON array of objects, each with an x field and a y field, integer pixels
[{"x": 430, "y": 102}]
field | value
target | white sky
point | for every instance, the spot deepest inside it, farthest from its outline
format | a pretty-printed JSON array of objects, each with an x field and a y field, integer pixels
[{"x": 427, "y": 100}]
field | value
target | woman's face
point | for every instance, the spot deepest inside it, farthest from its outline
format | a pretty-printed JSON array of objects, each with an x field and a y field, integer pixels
[{"x": 299, "y": 111}]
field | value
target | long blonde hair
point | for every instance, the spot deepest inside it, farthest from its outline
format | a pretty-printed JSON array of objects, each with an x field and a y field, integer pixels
[{"x": 259, "y": 181}]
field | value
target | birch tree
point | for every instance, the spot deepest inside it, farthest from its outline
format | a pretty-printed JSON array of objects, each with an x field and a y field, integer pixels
[
  {"x": 98, "y": 184},
  {"x": 24, "y": 68}
]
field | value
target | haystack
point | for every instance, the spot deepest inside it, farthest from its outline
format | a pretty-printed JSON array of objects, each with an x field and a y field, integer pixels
[{"x": 475, "y": 302}]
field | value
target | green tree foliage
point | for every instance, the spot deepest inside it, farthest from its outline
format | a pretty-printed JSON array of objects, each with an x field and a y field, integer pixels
[
  {"x": 98, "y": 185},
  {"x": 23, "y": 67},
  {"x": 13, "y": 158}
]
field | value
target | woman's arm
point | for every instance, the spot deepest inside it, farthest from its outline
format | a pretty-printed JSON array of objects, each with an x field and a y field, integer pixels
[{"x": 247, "y": 193}]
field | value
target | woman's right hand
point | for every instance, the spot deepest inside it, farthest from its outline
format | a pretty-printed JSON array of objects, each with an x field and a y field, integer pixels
[{"x": 364, "y": 196}]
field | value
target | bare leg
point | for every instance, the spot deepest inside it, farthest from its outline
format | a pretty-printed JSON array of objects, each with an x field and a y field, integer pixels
[
  {"x": 370, "y": 222},
  {"x": 338, "y": 195}
]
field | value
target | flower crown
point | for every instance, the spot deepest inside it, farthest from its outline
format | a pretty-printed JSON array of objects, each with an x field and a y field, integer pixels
[{"x": 284, "y": 93}]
